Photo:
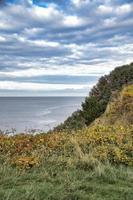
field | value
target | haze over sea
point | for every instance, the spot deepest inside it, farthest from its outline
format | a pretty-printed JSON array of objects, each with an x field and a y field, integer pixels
[{"x": 40, "y": 113}]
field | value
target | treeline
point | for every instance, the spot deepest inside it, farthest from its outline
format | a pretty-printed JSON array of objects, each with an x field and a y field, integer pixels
[{"x": 95, "y": 104}]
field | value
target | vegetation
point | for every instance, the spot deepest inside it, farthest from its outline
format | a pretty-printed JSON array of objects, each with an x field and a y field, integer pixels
[
  {"x": 95, "y": 104},
  {"x": 94, "y": 163},
  {"x": 73, "y": 123},
  {"x": 61, "y": 179}
]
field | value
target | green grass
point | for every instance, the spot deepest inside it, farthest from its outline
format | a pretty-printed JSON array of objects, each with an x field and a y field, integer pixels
[{"x": 65, "y": 178}]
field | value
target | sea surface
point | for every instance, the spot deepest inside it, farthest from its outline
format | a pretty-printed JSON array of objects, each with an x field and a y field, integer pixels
[{"x": 24, "y": 114}]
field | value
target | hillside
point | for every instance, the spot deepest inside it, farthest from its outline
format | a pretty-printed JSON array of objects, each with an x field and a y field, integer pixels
[
  {"x": 95, "y": 163},
  {"x": 95, "y": 104},
  {"x": 120, "y": 110}
]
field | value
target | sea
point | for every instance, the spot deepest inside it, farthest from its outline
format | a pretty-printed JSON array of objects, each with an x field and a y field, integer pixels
[{"x": 35, "y": 114}]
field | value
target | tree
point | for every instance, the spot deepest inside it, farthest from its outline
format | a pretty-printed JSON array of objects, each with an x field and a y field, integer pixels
[{"x": 91, "y": 109}]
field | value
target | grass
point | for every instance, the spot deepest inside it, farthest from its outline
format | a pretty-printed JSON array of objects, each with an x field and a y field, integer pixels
[
  {"x": 128, "y": 91},
  {"x": 65, "y": 179}
]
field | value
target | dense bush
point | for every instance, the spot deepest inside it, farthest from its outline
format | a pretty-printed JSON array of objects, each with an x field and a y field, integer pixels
[
  {"x": 75, "y": 122},
  {"x": 95, "y": 104},
  {"x": 91, "y": 106}
]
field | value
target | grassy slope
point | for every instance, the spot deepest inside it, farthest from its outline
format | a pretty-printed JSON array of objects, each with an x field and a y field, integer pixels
[
  {"x": 74, "y": 166},
  {"x": 120, "y": 110},
  {"x": 58, "y": 182}
]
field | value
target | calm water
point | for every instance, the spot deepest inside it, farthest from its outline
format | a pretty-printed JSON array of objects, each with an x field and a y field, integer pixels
[{"x": 42, "y": 113}]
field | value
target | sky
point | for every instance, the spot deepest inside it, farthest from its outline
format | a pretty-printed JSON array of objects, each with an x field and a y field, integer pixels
[{"x": 61, "y": 48}]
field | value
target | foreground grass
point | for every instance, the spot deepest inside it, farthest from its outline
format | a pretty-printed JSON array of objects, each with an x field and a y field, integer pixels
[{"x": 63, "y": 178}]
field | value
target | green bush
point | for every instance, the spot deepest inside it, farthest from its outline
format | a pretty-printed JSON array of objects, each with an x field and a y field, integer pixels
[
  {"x": 75, "y": 122},
  {"x": 93, "y": 107}
]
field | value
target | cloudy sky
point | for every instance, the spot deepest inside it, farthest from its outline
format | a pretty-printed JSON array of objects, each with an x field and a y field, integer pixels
[{"x": 62, "y": 47}]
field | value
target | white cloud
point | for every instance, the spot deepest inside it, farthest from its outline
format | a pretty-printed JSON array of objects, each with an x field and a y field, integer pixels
[
  {"x": 79, "y": 3},
  {"x": 4, "y": 25},
  {"x": 78, "y": 70},
  {"x": 10, "y": 85},
  {"x": 76, "y": 2},
  {"x": 103, "y": 9},
  {"x": 43, "y": 13},
  {"x": 124, "y": 9},
  {"x": 2, "y": 39},
  {"x": 110, "y": 22},
  {"x": 73, "y": 21},
  {"x": 38, "y": 43}
]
